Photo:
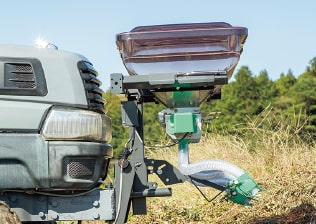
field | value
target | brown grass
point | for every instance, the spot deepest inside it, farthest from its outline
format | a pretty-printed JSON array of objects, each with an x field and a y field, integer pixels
[{"x": 287, "y": 173}]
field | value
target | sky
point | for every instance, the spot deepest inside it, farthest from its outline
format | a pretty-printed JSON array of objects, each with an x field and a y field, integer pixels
[{"x": 281, "y": 34}]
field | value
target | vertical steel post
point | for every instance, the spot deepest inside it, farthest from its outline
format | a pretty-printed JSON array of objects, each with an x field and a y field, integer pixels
[{"x": 134, "y": 177}]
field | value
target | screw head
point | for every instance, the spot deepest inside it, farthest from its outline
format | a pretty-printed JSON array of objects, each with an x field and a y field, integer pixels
[
  {"x": 41, "y": 214},
  {"x": 54, "y": 203},
  {"x": 96, "y": 203}
]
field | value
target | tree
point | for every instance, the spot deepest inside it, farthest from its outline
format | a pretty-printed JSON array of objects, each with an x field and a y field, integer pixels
[
  {"x": 267, "y": 90},
  {"x": 311, "y": 69},
  {"x": 240, "y": 99},
  {"x": 284, "y": 83},
  {"x": 304, "y": 95}
]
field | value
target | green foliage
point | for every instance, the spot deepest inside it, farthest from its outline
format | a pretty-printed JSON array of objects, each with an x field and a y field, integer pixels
[
  {"x": 284, "y": 83},
  {"x": 154, "y": 131},
  {"x": 241, "y": 99},
  {"x": 304, "y": 91},
  {"x": 266, "y": 88},
  {"x": 304, "y": 95},
  {"x": 311, "y": 69},
  {"x": 291, "y": 98}
]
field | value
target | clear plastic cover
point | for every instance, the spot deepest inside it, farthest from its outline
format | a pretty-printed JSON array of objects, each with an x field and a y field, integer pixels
[
  {"x": 182, "y": 48},
  {"x": 74, "y": 124}
]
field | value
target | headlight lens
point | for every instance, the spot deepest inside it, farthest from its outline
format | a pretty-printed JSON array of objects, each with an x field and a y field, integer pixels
[{"x": 64, "y": 123}]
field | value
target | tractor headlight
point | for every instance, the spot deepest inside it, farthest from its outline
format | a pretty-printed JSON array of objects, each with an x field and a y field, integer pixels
[{"x": 64, "y": 123}]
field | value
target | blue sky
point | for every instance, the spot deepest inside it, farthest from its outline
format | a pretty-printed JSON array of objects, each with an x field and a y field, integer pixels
[{"x": 281, "y": 34}]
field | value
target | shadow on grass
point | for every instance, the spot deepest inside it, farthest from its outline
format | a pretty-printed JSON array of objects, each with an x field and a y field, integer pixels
[{"x": 303, "y": 214}]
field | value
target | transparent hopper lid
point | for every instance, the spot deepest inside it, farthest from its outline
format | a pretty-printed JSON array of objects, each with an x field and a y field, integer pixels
[{"x": 182, "y": 48}]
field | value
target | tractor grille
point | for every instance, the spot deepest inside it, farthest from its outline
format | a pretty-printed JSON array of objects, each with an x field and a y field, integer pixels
[
  {"x": 92, "y": 86},
  {"x": 20, "y": 76},
  {"x": 80, "y": 168}
]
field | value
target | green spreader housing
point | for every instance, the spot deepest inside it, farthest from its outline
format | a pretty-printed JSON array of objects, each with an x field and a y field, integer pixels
[{"x": 183, "y": 123}]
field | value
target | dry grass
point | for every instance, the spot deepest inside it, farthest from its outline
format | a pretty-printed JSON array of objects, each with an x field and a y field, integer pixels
[{"x": 287, "y": 173}]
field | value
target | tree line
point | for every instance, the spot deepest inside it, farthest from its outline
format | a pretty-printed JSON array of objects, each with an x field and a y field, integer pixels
[{"x": 288, "y": 99}]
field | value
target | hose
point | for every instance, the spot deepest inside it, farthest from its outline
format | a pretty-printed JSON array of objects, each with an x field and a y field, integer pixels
[
  {"x": 219, "y": 174},
  {"x": 216, "y": 171}
]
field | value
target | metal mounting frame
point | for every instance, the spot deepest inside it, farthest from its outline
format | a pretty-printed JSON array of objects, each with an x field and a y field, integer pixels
[{"x": 131, "y": 182}]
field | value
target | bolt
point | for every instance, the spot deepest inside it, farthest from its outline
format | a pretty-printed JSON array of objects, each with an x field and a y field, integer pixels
[
  {"x": 54, "y": 203},
  {"x": 159, "y": 172},
  {"x": 96, "y": 216},
  {"x": 41, "y": 214},
  {"x": 138, "y": 164},
  {"x": 96, "y": 203}
]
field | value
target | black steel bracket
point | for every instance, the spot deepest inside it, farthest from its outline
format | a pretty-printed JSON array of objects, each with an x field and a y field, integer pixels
[
  {"x": 167, "y": 82},
  {"x": 131, "y": 180},
  {"x": 166, "y": 172}
]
